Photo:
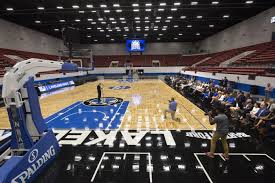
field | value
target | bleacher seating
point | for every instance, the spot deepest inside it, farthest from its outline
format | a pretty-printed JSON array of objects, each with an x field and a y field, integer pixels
[
  {"x": 263, "y": 52},
  {"x": 5, "y": 61},
  {"x": 261, "y": 56},
  {"x": 191, "y": 60},
  {"x": 232, "y": 70}
]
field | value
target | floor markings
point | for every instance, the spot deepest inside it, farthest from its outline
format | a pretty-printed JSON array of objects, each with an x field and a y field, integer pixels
[
  {"x": 63, "y": 112},
  {"x": 245, "y": 155},
  {"x": 124, "y": 157}
]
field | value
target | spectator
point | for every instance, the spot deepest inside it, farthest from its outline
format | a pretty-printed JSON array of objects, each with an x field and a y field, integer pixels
[
  {"x": 222, "y": 96},
  {"x": 272, "y": 105},
  {"x": 266, "y": 126},
  {"x": 268, "y": 91},
  {"x": 262, "y": 112},
  {"x": 255, "y": 109},
  {"x": 269, "y": 118},
  {"x": 238, "y": 112},
  {"x": 240, "y": 100},
  {"x": 224, "y": 82},
  {"x": 230, "y": 101}
]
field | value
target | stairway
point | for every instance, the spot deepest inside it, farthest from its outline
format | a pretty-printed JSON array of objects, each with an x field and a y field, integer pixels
[{"x": 237, "y": 57}]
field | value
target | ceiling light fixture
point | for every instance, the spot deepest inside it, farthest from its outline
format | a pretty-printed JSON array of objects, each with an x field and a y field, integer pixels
[
  {"x": 40, "y": 8},
  {"x": 249, "y": 2},
  {"x": 89, "y": 6},
  {"x": 215, "y": 2},
  {"x": 75, "y": 6}
]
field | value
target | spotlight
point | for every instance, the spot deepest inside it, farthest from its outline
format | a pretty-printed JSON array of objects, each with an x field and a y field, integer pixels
[
  {"x": 166, "y": 168},
  {"x": 149, "y": 168},
  {"x": 148, "y": 144},
  {"x": 232, "y": 145},
  {"x": 181, "y": 167},
  {"x": 105, "y": 158},
  {"x": 137, "y": 157},
  {"x": 118, "y": 158},
  {"x": 77, "y": 158},
  {"x": 187, "y": 144},
  {"x": 115, "y": 166},
  {"x": 91, "y": 157},
  {"x": 163, "y": 157},
  {"x": 203, "y": 145},
  {"x": 135, "y": 168}
]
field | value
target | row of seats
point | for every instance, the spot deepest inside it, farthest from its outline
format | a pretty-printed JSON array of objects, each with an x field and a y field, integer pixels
[
  {"x": 147, "y": 60},
  {"x": 5, "y": 61},
  {"x": 232, "y": 70},
  {"x": 27, "y": 55},
  {"x": 264, "y": 53},
  {"x": 137, "y": 60},
  {"x": 261, "y": 54}
]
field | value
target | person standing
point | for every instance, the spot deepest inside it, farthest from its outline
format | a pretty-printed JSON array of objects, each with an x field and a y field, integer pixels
[
  {"x": 222, "y": 129},
  {"x": 171, "y": 109},
  {"x": 99, "y": 91},
  {"x": 268, "y": 91}
]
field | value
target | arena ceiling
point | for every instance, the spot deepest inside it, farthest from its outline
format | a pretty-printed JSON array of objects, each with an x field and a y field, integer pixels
[{"x": 116, "y": 20}]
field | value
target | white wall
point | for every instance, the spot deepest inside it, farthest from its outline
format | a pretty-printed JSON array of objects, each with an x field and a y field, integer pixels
[
  {"x": 16, "y": 37},
  {"x": 151, "y": 48},
  {"x": 255, "y": 30},
  {"x": 122, "y": 70}
]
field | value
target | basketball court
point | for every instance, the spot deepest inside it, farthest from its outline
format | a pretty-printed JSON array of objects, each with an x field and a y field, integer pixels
[
  {"x": 128, "y": 105},
  {"x": 85, "y": 87},
  {"x": 126, "y": 138}
]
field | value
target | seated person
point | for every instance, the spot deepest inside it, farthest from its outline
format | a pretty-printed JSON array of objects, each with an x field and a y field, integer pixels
[
  {"x": 230, "y": 101},
  {"x": 237, "y": 111},
  {"x": 266, "y": 126},
  {"x": 262, "y": 112},
  {"x": 249, "y": 108},
  {"x": 272, "y": 105},
  {"x": 240, "y": 100},
  {"x": 221, "y": 96},
  {"x": 270, "y": 117}
]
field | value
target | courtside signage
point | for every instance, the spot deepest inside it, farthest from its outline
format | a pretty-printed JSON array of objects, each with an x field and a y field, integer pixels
[{"x": 47, "y": 88}]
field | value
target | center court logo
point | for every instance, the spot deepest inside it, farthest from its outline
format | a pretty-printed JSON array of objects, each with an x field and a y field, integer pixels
[
  {"x": 119, "y": 87},
  {"x": 33, "y": 156},
  {"x": 103, "y": 102}
]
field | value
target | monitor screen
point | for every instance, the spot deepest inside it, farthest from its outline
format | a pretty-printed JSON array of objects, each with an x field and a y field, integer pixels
[{"x": 135, "y": 45}]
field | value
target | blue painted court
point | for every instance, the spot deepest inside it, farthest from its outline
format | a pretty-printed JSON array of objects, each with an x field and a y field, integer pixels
[{"x": 81, "y": 116}]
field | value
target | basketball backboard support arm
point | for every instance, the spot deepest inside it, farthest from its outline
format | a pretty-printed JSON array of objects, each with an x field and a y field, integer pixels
[{"x": 31, "y": 140}]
